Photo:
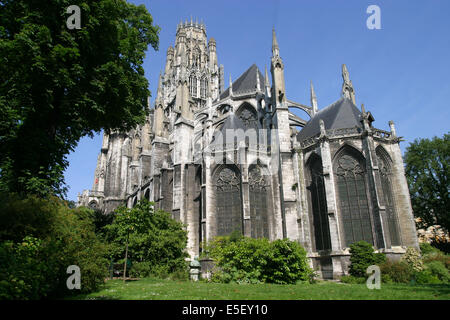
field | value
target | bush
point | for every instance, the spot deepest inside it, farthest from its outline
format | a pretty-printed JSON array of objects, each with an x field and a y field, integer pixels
[
  {"x": 141, "y": 270},
  {"x": 180, "y": 275},
  {"x": 444, "y": 259},
  {"x": 438, "y": 269},
  {"x": 426, "y": 249},
  {"x": 154, "y": 238},
  {"x": 442, "y": 244},
  {"x": 413, "y": 259},
  {"x": 248, "y": 260},
  {"x": 362, "y": 256},
  {"x": 25, "y": 269},
  {"x": 425, "y": 277},
  {"x": 353, "y": 280},
  {"x": 431, "y": 253},
  {"x": 35, "y": 253},
  {"x": 398, "y": 272}
]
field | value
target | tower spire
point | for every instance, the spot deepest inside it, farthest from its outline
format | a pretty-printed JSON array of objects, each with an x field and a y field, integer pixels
[
  {"x": 160, "y": 89},
  {"x": 313, "y": 99},
  {"x": 347, "y": 87},
  {"x": 275, "y": 48}
]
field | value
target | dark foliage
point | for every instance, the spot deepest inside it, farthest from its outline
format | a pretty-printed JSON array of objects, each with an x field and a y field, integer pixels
[{"x": 58, "y": 85}]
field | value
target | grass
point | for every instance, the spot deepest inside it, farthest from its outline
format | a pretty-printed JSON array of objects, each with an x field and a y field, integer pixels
[{"x": 157, "y": 289}]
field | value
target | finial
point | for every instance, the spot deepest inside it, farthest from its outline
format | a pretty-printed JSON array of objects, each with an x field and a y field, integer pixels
[
  {"x": 159, "y": 90},
  {"x": 347, "y": 87},
  {"x": 258, "y": 85},
  {"x": 274, "y": 38},
  {"x": 275, "y": 48},
  {"x": 345, "y": 75},
  {"x": 363, "y": 109},
  {"x": 266, "y": 78},
  {"x": 231, "y": 86},
  {"x": 313, "y": 98}
]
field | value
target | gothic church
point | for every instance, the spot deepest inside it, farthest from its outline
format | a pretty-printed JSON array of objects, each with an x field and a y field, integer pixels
[{"x": 224, "y": 160}]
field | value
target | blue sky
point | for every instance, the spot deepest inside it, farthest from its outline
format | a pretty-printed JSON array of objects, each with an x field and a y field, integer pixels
[{"x": 400, "y": 72}]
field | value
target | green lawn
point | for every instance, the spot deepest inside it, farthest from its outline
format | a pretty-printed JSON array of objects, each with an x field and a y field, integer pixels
[{"x": 156, "y": 289}]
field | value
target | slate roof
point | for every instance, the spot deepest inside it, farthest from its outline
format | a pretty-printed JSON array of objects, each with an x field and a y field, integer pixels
[
  {"x": 232, "y": 122},
  {"x": 341, "y": 114},
  {"x": 246, "y": 82}
]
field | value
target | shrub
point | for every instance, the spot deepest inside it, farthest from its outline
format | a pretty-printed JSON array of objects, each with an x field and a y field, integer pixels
[
  {"x": 445, "y": 259},
  {"x": 398, "y": 272},
  {"x": 425, "y": 277},
  {"x": 35, "y": 253},
  {"x": 24, "y": 269},
  {"x": 431, "y": 253},
  {"x": 413, "y": 259},
  {"x": 442, "y": 244},
  {"x": 180, "y": 275},
  {"x": 438, "y": 269},
  {"x": 426, "y": 249},
  {"x": 362, "y": 256},
  {"x": 153, "y": 237},
  {"x": 248, "y": 260},
  {"x": 140, "y": 270}
]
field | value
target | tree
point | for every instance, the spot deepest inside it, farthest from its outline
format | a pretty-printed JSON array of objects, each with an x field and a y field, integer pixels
[
  {"x": 152, "y": 235},
  {"x": 58, "y": 85},
  {"x": 428, "y": 174}
]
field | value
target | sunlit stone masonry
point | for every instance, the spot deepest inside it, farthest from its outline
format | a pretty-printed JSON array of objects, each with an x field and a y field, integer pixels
[{"x": 239, "y": 159}]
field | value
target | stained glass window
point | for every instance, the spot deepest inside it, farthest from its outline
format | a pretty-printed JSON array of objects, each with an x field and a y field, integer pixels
[
  {"x": 193, "y": 86},
  {"x": 228, "y": 202},
  {"x": 203, "y": 87},
  {"x": 248, "y": 117},
  {"x": 385, "y": 174},
  {"x": 258, "y": 185},
  {"x": 319, "y": 206},
  {"x": 352, "y": 198}
]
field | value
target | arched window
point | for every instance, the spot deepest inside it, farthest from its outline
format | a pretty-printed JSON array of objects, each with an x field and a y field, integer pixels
[
  {"x": 259, "y": 196},
  {"x": 319, "y": 204},
  {"x": 386, "y": 183},
  {"x": 352, "y": 197},
  {"x": 203, "y": 87},
  {"x": 193, "y": 86},
  {"x": 228, "y": 201},
  {"x": 93, "y": 205},
  {"x": 248, "y": 116}
]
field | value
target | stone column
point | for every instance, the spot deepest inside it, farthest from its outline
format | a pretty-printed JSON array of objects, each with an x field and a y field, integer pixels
[
  {"x": 407, "y": 224},
  {"x": 246, "y": 217},
  {"x": 303, "y": 208},
  {"x": 333, "y": 219}
]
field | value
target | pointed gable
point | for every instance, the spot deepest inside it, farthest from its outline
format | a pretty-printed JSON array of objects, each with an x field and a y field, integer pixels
[
  {"x": 341, "y": 114},
  {"x": 246, "y": 82}
]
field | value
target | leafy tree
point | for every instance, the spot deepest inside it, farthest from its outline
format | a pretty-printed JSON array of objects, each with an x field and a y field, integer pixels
[
  {"x": 153, "y": 237},
  {"x": 428, "y": 174},
  {"x": 58, "y": 85}
]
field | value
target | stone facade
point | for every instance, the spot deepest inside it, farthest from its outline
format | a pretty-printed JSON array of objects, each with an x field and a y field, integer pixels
[{"x": 224, "y": 160}]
